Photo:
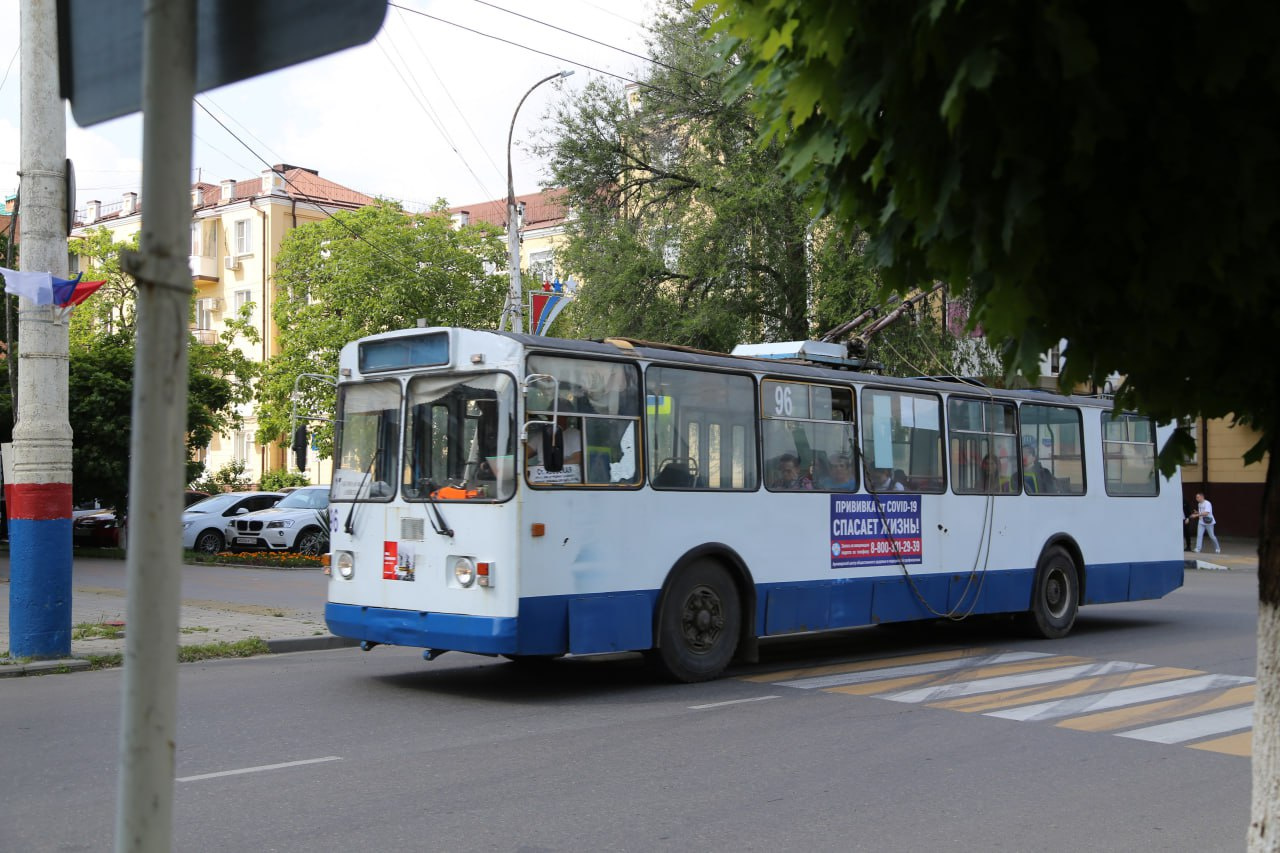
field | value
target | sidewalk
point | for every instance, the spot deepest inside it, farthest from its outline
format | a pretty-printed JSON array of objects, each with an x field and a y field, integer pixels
[
  {"x": 1239, "y": 553},
  {"x": 200, "y": 622}
]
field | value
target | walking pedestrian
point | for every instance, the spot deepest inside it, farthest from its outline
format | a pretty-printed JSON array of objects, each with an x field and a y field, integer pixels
[{"x": 1204, "y": 512}]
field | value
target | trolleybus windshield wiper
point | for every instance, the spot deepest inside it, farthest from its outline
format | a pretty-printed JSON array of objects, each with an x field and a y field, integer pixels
[{"x": 438, "y": 524}]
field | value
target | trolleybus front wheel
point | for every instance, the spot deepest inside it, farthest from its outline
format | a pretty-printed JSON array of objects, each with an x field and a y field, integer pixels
[
  {"x": 699, "y": 626},
  {"x": 1055, "y": 599}
]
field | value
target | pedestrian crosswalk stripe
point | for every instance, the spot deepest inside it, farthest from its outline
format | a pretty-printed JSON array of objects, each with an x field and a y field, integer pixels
[
  {"x": 939, "y": 679},
  {"x": 840, "y": 679},
  {"x": 1138, "y": 701},
  {"x": 985, "y": 685},
  {"x": 1074, "y": 706},
  {"x": 862, "y": 665},
  {"x": 1151, "y": 712},
  {"x": 1042, "y": 693},
  {"x": 1194, "y": 728},
  {"x": 1240, "y": 744}
]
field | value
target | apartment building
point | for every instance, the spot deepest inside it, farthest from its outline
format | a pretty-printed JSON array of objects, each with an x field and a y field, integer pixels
[{"x": 237, "y": 227}]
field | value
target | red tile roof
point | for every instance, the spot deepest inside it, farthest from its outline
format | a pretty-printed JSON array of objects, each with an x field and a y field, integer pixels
[{"x": 541, "y": 210}]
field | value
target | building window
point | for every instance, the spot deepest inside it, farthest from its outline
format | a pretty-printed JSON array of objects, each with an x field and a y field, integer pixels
[
  {"x": 240, "y": 299},
  {"x": 242, "y": 237},
  {"x": 542, "y": 264},
  {"x": 242, "y": 447},
  {"x": 204, "y": 313}
]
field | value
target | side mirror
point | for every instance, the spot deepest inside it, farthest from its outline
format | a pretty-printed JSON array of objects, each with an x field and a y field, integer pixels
[{"x": 300, "y": 447}]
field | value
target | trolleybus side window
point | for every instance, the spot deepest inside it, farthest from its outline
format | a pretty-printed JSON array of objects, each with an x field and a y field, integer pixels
[
  {"x": 984, "y": 447},
  {"x": 1129, "y": 455},
  {"x": 366, "y": 441},
  {"x": 902, "y": 441},
  {"x": 1051, "y": 450},
  {"x": 597, "y": 404},
  {"x": 701, "y": 429},
  {"x": 808, "y": 436},
  {"x": 460, "y": 438}
]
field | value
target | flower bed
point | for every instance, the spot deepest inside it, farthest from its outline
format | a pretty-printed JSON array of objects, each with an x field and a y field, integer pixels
[{"x": 272, "y": 559}]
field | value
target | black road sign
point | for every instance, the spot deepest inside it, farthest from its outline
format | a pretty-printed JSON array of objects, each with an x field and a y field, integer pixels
[{"x": 100, "y": 44}]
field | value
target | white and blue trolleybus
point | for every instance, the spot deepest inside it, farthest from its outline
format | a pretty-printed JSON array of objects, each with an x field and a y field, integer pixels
[{"x": 505, "y": 494}]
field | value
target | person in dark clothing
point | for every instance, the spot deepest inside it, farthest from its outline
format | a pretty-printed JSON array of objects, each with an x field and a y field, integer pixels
[{"x": 1188, "y": 523}]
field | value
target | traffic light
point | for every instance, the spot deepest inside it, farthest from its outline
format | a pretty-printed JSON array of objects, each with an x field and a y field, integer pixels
[{"x": 300, "y": 447}]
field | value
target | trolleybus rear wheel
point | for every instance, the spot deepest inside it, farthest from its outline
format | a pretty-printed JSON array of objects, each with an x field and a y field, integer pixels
[
  {"x": 699, "y": 625},
  {"x": 1055, "y": 599}
]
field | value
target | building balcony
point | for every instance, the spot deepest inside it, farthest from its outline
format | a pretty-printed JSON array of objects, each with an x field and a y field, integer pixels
[
  {"x": 207, "y": 337},
  {"x": 207, "y": 269}
]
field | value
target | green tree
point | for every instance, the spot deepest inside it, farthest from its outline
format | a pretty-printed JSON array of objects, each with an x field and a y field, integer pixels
[
  {"x": 111, "y": 309},
  {"x": 1085, "y": 179},
  {"x": 685, "y": 231},
  {"x": 366, "y": 271}
]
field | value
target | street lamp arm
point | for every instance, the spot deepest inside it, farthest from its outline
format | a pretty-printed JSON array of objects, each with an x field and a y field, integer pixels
[{"x": 512, "y": 312}]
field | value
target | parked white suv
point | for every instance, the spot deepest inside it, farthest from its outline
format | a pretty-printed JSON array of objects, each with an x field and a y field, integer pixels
[{"x": 300, "y": 522}]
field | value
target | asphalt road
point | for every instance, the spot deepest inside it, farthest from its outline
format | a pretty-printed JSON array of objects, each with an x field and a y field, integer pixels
[{"x": 384, "y": 751}]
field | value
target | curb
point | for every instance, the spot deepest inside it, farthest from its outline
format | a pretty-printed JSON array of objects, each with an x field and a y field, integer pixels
[
  {"x": 40, "y": 667},
  {"x": 310, "y": 644}
]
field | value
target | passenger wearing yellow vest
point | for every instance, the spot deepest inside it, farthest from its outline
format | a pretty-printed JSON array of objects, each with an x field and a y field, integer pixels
[{"x": 1036, "y": 479}]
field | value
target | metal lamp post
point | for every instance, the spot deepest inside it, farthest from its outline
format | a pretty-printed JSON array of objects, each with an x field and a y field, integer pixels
[{"x": 512, "y": 311}]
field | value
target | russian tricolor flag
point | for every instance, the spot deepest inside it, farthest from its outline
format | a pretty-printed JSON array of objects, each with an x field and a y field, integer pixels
[{"x": 44, "y": 288}]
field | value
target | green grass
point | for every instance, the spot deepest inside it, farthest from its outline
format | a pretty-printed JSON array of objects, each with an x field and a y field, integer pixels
[{"x": 96, "y": 631}]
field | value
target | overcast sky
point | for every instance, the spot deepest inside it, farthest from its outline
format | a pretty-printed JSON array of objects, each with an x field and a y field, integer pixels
[{"x": 419, "y": 113}]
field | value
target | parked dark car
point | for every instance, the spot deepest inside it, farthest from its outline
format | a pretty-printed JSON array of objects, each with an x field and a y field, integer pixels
[{"x": 101, "y": 529}]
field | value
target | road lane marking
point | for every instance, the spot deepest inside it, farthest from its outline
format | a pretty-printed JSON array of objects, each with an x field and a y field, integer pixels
[
  {"x": 1040, "y": 693},
  {"x": 843, "y": 679},
  {"x": 730, "y": 702},
  {"x": 952, "y": 677},
  {"x": 1153, "y": 712},
  {"x": 1004, "y": 682},
  {"x": 1118, "y": 698},
  {"x": 1194, "y": 728},
  {"x": 259, "y": 769}
]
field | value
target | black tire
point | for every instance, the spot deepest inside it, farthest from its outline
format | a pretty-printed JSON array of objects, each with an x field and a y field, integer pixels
[
  {"x": 699, "y": 624},
  {"x": 311, "y": 542},
  {"x": 210, "y": 542},
  {"x": 1055, "y": 598}
]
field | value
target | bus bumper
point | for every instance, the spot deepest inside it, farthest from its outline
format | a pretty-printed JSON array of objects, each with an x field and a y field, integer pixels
[{"x": 483, "y": 635}]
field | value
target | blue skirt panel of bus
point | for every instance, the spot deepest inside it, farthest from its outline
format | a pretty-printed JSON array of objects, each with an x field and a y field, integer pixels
[{"x": 621, "y": 621}]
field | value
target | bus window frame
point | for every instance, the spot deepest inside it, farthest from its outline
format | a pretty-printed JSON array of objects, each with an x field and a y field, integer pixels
[
  {"x": 1104, "y": 441},
  {"x": 753, "y": 420},
  {"x": 942, "y": 439},
  {"x": 851, "y": 425},
  {"x": 527, "y": 418},
  {"x": 406, "y": 448},
  {"x": 393, "y": 492},
  {"x": 1084, "y": 462},
  {"x": 1015, "y": 476}
]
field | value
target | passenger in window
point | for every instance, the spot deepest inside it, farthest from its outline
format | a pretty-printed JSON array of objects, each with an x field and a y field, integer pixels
[
  {"x": 790, "y": 475},
  {"x": 899, "y": 480},
  {"x": 884, "y": 481},
  {"x": 840, "y": 477},
  {"x": 571, "y": 438},
  {"x": 992, "y": 479},
  {"x": 1036, "y": 479}
]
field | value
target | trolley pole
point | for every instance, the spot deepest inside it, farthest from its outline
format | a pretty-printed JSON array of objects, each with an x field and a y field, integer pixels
[{"x": 40, "y": 494}]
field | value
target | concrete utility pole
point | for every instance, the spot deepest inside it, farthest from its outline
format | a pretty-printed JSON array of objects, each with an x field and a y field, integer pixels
[
  {"x": 144, "y": 815},
  {"x": 513, "y": 311},
  {"x": 40, "y": 494}
]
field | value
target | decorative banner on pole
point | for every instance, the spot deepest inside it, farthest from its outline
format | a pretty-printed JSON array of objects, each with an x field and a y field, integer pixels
[
  {"x": 546, "y": 305},
  {"x": 44, "y": 288}
]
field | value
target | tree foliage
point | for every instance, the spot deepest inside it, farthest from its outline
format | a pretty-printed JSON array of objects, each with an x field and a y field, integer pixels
[
  {"x": 367, "y": 271},
  {"x": 1086, "y": 180},
  {"x": 686, "y": 231}
]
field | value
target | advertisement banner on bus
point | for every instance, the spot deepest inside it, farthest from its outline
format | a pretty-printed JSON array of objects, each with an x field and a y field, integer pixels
[{"x": 875, "y": 530}]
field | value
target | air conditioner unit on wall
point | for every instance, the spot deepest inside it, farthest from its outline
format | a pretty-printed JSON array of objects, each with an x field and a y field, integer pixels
[{"x": 231, "y": 262}]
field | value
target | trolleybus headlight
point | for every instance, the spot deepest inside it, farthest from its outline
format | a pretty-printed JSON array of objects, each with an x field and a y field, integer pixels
[
  {"x": 464, "y": 570},
  {"x": 345, "y": 562}
]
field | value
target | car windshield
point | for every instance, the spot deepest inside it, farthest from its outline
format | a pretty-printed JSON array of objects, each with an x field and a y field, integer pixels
[
  {"x": 217, "y": 503},
  {"x": 305, "y": 499}
]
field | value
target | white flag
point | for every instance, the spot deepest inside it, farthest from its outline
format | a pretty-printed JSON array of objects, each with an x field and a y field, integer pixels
[{"x": 36, "y": 286}]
